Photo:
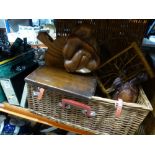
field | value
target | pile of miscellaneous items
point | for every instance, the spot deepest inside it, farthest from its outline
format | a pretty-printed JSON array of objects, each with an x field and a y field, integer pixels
[
  {"x": 16, "y": 62},
  {"x": 7, "y": 50},
  {"x": 4, "y": 44},
  {"x": 11, "y": 125},
  {"x": 91, "y": 86},
  {"x": 39, "y": 56}
]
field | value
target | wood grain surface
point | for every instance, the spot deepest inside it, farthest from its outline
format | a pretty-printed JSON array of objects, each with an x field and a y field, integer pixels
[{"x": 58, "y": 79}]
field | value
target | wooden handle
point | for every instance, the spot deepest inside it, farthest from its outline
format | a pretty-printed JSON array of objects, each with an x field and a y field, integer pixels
[{"x": 45, "y": 38}]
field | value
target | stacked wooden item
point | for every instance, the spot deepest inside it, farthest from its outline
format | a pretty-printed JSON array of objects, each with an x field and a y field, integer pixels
[{"x": 92, "y": 83}]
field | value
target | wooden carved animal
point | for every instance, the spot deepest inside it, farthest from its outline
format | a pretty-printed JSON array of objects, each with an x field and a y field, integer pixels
[
  {"x": 53, "y": 56},
  {"x": 86, "y": 32},
  {"x": 81, "y": 50},
  {"x": 79, "y": 54},
  {"x": 127, "y": 92}
]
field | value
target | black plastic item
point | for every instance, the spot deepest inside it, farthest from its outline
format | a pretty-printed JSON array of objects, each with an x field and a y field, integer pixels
[
  {"x": 1, "y": 48},
  {"x": 5, "y": 53},
  {"x": 26, "y": 46},
  {"x": 25, "y": 42},
  {"x": 60, "y": 131},
  {"x": 16, "y": 45}
]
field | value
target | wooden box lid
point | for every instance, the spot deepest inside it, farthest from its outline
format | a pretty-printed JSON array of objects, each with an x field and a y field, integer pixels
[{"x": 58, "y": 79}]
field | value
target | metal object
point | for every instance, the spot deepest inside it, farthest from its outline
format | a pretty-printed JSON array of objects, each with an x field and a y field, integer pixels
[{"x": 9, "y": 91}]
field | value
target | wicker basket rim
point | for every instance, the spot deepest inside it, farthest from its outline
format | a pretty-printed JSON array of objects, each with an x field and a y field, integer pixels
[
  {"x": 127, "y": 104},
  {"x": 147, "y": 106}
]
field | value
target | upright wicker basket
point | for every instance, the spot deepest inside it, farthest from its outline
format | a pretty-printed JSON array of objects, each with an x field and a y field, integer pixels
[
  {"x": 107, "y": 29},
  {"x": 104, "y": 121}
]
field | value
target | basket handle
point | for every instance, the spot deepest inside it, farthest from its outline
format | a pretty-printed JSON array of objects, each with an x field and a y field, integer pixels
[{"x": 86, "y": 108}]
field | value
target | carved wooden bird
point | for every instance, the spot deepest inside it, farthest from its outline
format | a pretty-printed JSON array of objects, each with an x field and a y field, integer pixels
[{"x": 128, "y": 91}]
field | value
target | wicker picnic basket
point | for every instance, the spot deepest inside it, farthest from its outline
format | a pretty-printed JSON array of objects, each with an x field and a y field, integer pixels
[
  {"x": 103, "y": 119},
  {"x": 104, "y": 122}
]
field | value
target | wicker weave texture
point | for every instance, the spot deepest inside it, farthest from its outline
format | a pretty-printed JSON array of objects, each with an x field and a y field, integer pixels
[
  {"x": 104, "y": 122},
  {"x": 107, "y": 29}
]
